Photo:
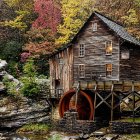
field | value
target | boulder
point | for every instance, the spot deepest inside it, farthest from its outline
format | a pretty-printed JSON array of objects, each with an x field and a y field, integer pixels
[
  {"x": 3, "y": 64},
  {"x": 16, "y": 112}
]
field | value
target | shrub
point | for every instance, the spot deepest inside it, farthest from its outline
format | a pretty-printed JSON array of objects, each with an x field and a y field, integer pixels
[
  {"x": 11, "y": 87},
  {"x": 34, "y": 127},
  {"x": 30, "y": 87}
]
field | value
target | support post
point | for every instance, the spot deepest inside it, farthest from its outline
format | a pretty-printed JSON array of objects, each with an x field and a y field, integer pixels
[
  {"x": 112, "y": 102},
  {"x": 133, "y": 93},
  {"x": 77, "y": 90},
  {"x": 95, "y": 90}
]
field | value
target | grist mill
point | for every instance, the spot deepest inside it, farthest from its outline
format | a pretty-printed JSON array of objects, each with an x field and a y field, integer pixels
[{"x": 97, "y": 72}]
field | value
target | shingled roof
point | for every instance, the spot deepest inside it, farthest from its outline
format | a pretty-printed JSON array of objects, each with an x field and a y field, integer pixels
[
  {"x": 118, "y": 29},
  {"x": 114, "y": 26}
]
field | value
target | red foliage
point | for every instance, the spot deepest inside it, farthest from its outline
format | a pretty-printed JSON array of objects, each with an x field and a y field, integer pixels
[
  {"x": 49, "y": 14},
  {"x": 40, "y": 48},
  {"x": 24, "y": 56}
]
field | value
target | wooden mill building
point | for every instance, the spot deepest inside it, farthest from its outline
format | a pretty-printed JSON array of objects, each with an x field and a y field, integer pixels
[{"x": 101, "y": 52}]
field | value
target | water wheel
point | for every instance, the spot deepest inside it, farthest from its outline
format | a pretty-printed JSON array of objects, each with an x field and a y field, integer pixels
[{"x": 84, "y": 105}]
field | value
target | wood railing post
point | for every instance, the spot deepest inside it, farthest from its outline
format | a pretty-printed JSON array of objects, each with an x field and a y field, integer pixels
[
  {"x": 112, "y": 102},
  {"x": 95, "y": 98},
  {"x": 133, "y": 94},
  {"x": 77, "y": 90}
]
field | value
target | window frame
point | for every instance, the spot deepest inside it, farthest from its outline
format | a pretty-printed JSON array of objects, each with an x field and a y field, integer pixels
[
  {"x": 109, "y": 71},
  {"x": 106, "y": 47},
  {"x": 94, "y": 26},
  {"x": 127, "y": 57},
  {"x": 81, "y": 50},
  {"x": 81, "y": 71}
]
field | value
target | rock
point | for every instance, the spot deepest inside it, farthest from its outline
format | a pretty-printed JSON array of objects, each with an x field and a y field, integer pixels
[
  {"x": 91, "y": 138},
  {"x": 81, "y": 135},
  {"x": 109, "y": 138},
  {"x": 2, "y": 87},
  {"x": 3, "y": 64},
  {"x": 98, "y": 133},
  {"x": 9, "y": 77},
  {"x": 86, "y": 136},
  {"x": 16, "y": 112},
  {"x": 2, "y": 109}
]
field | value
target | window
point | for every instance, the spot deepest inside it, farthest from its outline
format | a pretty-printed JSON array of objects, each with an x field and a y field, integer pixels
[
  {"x": 125, "y": 54},
  {"x": 94, "y": 27},
  {"x": 108, "y": 70},
  {"x": 82, "y": 50},
  {"x": 81, "y": 70},
  {"x": 60, "y": 61},
  {"x": 108, "y": 46}
]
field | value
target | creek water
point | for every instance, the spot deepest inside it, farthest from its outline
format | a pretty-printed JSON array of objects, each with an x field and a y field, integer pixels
[{"x": 52, "y": 136}]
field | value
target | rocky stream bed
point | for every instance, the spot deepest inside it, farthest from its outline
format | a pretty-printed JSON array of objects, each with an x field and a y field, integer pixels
[
  {"x": 54, "y": 135},
  {"x": 15, "y": 112}
]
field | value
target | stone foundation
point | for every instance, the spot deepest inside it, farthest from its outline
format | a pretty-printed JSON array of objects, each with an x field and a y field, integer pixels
[
  {"x": 125, "y": 127},
  {"x": 70, "y": 123},
  {"x": 55, "y": 113}
]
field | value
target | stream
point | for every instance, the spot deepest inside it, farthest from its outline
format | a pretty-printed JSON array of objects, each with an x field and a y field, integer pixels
[{"x": 52, "y": 136}]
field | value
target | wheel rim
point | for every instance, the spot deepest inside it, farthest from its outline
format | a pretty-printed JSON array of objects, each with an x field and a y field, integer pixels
[{"x": 82, "y": 109}]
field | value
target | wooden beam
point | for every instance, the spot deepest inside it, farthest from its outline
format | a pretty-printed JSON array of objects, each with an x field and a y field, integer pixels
[
  {"x": 122, "y": 100},
  {"x": 95, "y": 100},
  {"x": 103, "y": 100},
  {"x": 112, "y": 102},
  {"x": 77, "y": 90}
]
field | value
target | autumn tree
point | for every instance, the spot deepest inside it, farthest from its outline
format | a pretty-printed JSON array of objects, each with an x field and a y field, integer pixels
[
  {"x": 126, "y": 12},
  {"x": 6, "y": 13},
  {"x": 15, "y": 19},
  {"x": 49, "y": 15},
  {"x": 40, "y": 38},
  {"x": 74, "y": 14},
  {"x": 24, "y": 14},
  {"x": 114, "y": 8},
  {"x": 40, "y": 42}
]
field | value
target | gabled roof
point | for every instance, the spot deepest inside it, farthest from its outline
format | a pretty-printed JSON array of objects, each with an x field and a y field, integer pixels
[
  {"x": 114, "y": 26},
  {"x": 118, "y": 29}
]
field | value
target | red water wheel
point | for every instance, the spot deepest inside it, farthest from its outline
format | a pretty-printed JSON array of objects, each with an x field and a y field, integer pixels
[{"x": 84, "y": 105}]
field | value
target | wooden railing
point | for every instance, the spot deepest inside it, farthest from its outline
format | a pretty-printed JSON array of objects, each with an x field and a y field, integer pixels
[
  {"x": 55, "y": 93},
  {"x": 107, "y": 85}
]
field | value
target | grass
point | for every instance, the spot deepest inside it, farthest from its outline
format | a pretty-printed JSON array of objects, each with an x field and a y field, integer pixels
[
  {"x": 35, "y": 128},
  {"x": 132, "y": 137},
  {"x": 129, "y": 120},
  {"x": 55, "y": 137}
]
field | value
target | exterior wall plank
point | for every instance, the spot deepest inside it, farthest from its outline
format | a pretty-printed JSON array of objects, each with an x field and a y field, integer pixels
[
  {"x": 62, "y": 72},
  {"x": 130, "y": 68},
  {"x": 95, "y": 59}
]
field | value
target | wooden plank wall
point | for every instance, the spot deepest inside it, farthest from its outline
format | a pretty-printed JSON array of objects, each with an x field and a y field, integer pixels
[
  {"x": 95, "y": 59},
  {"x": 62, "y": 72},
  {"x": 130, "y": 68}
]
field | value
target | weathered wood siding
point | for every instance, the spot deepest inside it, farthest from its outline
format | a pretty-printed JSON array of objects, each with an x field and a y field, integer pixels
[
  {"x": 61, "y": 69},
  {"x": 64, "y": 73},
  {"x": 95, "y": 58},
  {"x": 130, "y": 68}
]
